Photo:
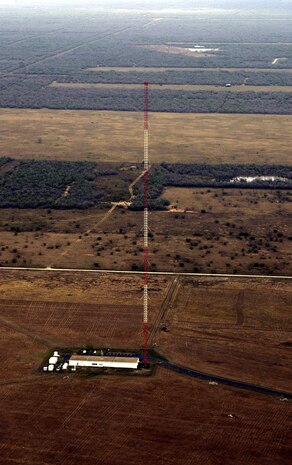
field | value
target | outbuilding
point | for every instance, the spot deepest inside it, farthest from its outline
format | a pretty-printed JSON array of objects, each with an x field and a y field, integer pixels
[{"x": 93, "y": 361}]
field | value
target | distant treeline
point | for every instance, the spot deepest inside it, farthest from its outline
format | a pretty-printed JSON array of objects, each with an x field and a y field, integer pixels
[
  {"x": 30, "y": 96},
  {"x": 191, "y": 77},
  {"x": 211, "y": 176},
  {"x": 65, "y": 46},
  {"x": 50, "y": 184},
  {"x": 63, "y": 185},
  {"x": 128, "y": 53}
]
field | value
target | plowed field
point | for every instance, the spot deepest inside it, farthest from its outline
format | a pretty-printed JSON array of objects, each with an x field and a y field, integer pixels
[{"x": 164, "y": 419}]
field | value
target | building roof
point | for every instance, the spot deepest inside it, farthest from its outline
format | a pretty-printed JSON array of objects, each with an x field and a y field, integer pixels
[{"x": 95, "y": 358}]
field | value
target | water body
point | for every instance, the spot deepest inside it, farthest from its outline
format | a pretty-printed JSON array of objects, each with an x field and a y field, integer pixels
[{"x": 250, "y": 179}]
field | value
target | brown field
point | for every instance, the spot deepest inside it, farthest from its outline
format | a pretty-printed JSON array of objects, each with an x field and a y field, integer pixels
[
  {"x": 237, "y": 329},
  {"x": 43, "y": 311},
  {"x": 163, "y": 419},
  {"x": 69, "y": 310},
  {"x": 129, "y": 69},
  {"x": 118, "y": 136},
  {"x": 202, "y": 233},
  {"x": 185, "y": 87}
]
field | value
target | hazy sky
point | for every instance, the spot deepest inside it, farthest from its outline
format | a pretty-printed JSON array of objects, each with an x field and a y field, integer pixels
[{"x": 154, "y": 4}]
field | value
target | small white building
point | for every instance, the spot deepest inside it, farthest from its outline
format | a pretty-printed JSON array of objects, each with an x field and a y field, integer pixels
[
  {"x": 93, "y": 361},
  {"x": 53, "y": 360}
]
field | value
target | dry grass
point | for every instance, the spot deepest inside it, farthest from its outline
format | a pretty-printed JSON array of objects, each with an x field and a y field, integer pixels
[
  {"x": 182, "y": 87},
  {"x": 206, "y": 237},
  {"x": 118, "y": 136}
]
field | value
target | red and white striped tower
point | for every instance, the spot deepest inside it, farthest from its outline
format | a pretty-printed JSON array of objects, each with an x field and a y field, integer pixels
[{"x": 146, "y": 223}]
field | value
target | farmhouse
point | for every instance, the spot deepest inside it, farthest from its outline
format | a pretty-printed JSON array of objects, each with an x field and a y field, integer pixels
[{"x": 103, "y": 362}]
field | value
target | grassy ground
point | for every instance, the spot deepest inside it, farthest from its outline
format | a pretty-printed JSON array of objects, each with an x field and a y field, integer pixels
[
  {"x": 118, "y": 136},
  {"x": 183, "y": 87},
  {"x": 243, "y": 231}
]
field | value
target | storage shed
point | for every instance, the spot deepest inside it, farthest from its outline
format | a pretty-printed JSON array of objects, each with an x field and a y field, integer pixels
[{"x": 93, "y": 361}]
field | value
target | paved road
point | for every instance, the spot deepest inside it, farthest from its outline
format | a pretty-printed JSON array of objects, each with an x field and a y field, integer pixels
[
  {"x": 214, "y": 379},
  {"x": 152, "y": 273},
  {"x": 226, "y": 381}
]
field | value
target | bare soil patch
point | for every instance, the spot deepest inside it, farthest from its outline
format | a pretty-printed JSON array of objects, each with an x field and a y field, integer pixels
[{"x": 175, "y": 50}]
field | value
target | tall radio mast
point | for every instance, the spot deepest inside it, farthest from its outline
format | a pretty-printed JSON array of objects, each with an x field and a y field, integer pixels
[{"x": 146, "y": 222}]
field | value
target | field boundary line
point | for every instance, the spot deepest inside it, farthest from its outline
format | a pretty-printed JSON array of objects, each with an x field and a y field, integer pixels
[
  {"x": 178, "y": 87},
  {"x": 153, "y": 273}
]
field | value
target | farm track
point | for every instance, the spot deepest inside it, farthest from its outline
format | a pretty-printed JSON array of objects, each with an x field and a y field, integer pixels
[
  {"x": 25, "y": 332},
  {"x": 166, "y": 305},
  {"x": 104, "y": 218},
  {"x": 116, "y": 204},
  {"x": 133, "y": 184},
  {"x": 109, "y": 212},
  {"x": 238, "y": 307}
]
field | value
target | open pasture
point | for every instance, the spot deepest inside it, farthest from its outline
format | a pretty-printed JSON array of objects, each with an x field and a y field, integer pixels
[{"x": 118, "y": 136}]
